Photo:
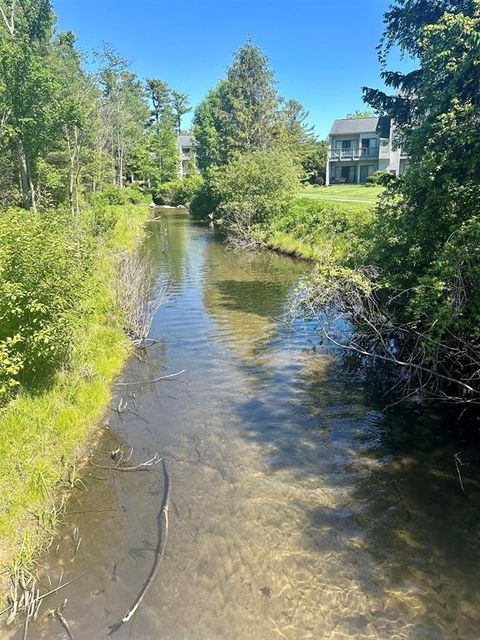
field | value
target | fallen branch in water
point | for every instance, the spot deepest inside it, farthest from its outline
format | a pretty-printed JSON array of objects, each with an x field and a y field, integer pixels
[
  {"x": 17, "y": 606},
  {"x": 458, "y": 464},
  {"x": 64, "y": 623},
  {"x": 143, "y": 466},
  {"x": 162, "y": 518},
  {"x": 142, "y": 382}
]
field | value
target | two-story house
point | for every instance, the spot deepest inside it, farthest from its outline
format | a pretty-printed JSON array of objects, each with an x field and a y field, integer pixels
[
  {"x": 185, "y": 148},
  {"x": 361, "y": 146}
]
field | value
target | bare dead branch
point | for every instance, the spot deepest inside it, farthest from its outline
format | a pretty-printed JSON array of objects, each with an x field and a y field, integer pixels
[
  {"x": 143, "y": 466},
  {"x": 64, "y": 623},
  {"x": 22, "y": 596},
  {"x": 434, "y": 364},
  {"x": 162, "y": 523},
  {"x": 458, "y": 464},
  {"x": 153, "y": 381},
  {"x": 139, "y": 296}
]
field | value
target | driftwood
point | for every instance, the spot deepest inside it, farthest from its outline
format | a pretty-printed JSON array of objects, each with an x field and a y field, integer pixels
[
  {"x": 143, "y": 466},
  {"x": 142, "y": 382},
  {"x": 29, "y": 602},
  {"x": 64, "y": 623},
  {"x": 162, "y": 523}
]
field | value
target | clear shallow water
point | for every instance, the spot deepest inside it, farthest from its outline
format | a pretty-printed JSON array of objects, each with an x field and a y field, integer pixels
[{"x": 298, "y": 509}]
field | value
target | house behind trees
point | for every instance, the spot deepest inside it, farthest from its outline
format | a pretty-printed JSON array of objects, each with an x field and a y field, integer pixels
[
  {"x": 359, "y": 147},
  {"x": 187, "y": 156}
]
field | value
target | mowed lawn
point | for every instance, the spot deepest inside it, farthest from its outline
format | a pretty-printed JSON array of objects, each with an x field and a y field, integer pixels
[{"x": 342, "y": 193}]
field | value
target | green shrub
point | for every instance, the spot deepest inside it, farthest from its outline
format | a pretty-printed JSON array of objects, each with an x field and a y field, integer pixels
[
  {"x": 205, "y": 201},
  {"x": 256, "y": 187},
  {"x": 11, "y": 365},
  {"x": 179, "y": 192},
  {"x": 113, "y": 195},
  {"x": 382, "y": 178},
  {"x": 43, "y": 263},
  {"x": 188, "y": 188},
  {"x": 165, "y": 193},
  {"x": 102, "y": 212},
  {"x": 110, "y": 194},
  {"x": 134, "y": 195}
]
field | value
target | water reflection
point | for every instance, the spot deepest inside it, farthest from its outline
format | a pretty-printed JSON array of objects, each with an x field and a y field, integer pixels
[
  {"x": 299, "y": 509},
  {"x": 245, "y": 294}
]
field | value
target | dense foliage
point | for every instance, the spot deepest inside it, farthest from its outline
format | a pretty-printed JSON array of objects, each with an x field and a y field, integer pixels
[
  {"x": 66, "y": 131},
  {"x": 179, "y": 192},
  {"x": 43, "y": 267},
  {"x": 252, "y": 146},
  {"x": 249, "y": 192},
  {"x": 426, "y": 236},
  {"x": 74, "y": 145},
  {"x": 414, "y": 288}
]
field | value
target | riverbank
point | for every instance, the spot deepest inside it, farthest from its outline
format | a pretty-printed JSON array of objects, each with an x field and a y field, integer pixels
[
  {"x": 318, "y": 230},
  {"x": 44, "y": 432}
]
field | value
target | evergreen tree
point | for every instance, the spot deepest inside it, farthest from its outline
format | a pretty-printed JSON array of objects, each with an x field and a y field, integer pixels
[
  {"x": 251, "y": 101},
  {"x": 159, "y": 93},
  {"x": 293, "y": 132},
  {"x": 180, "y": 108},
  {"x": 240, "y": 114},
  {"x": 208, "y": 126},
  {"x": 244, "y": 113}
]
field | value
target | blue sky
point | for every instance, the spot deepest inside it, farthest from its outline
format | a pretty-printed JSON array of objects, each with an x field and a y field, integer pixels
[{"x": 322, "y": 51}]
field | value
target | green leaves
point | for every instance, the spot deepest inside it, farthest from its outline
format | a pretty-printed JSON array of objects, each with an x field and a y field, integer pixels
[
  {"x": 257, "y": 187},
  {"x": 244, "y": 113},
  {"x": 426, "y": 233},
  {"x": 43, "y": 267}
]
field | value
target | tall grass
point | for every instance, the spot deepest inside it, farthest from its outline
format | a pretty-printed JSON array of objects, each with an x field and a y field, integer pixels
[
  {"x": 43, "y": 434},
  {"x": 320, "y": 230}
]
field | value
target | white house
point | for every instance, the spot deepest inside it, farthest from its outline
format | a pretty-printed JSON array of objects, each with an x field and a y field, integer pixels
[
  {"x": 185, "y": 147},
  {"x": 361, "y": 146}
]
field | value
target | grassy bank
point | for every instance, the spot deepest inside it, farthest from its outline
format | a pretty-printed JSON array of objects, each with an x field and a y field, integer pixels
[
  {"x": 43, "y": 431},
  {"x": 359, "y": 194},
  {"x": 315, "y": 229}
]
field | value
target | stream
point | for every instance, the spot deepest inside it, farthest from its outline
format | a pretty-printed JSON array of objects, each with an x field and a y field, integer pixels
[{"x": 298, "y": 509}]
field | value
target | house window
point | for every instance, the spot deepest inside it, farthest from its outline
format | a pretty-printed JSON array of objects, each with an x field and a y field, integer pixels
[
  {"x": 344, "y": 174},
  {"x": 366, "y": 171},
  {"x": 369, "y": 147},
  {"x": 343, "y": 144}
]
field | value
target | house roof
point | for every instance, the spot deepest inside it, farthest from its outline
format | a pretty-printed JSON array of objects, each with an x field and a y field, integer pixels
[
  {"x": 185, "y": 141},
  {"x": 354, "y": 126}
]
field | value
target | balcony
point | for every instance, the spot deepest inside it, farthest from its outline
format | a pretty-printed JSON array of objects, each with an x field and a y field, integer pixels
[{"x": 355, "y": 153}]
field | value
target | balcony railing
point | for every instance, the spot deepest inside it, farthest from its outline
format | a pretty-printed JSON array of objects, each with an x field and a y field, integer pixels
[{"x": 355, "y": 153}]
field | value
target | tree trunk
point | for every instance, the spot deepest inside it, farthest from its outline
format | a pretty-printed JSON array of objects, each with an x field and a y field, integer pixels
[
  {"x": 121, "y": 162},
  {"x": 26, "y": 183}
]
